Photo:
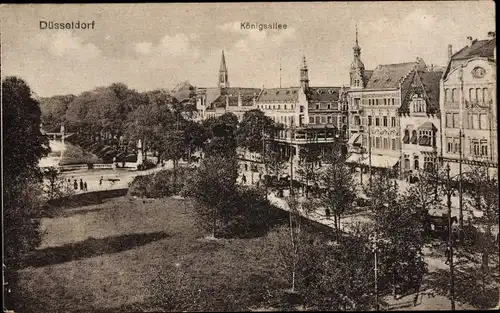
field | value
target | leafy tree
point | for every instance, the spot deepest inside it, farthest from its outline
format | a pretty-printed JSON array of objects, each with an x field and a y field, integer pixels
[
  {"x": 56, "y": 185},
  {"x": 339, "y": 189},
  {"x": 213, "y": 187},
  {"x": 222, "y": 141},
  {"x": 53, "y": 111},
  {"x": 254, "y": 125},
  {"x": 21, "y": 119}
]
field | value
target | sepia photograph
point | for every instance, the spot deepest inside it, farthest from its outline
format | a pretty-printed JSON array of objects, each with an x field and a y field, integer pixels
[{"x": 249, "y": 156}]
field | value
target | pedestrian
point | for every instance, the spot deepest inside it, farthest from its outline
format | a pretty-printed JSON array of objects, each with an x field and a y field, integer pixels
[
  {"x": 85, "y": 186},
  {"x": 447, "y": 253},
  {"x": 100, "y": 181},
  {"x": 244, "y": 179},
  {"x": 75, "y": 185},
  {"x": 81, "y": 184}
]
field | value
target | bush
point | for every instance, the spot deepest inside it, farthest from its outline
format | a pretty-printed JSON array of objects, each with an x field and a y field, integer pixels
[
  {"x": 140, "y": 185},
  {"x": 146, "y": 165},
  {"x": 160, "y": 184}
]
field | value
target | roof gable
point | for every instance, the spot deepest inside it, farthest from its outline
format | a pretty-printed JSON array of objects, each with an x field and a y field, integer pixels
[{"x": 426, "y": 84}]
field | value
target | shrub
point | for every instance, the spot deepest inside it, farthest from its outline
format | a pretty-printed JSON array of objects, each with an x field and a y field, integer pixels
[
  {"x": 140, "y": 185},
  {"x": 146, "y": 165}
]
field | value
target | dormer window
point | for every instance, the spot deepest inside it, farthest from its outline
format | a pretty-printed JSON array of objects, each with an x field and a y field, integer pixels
[{"x": 418, "y": 105}]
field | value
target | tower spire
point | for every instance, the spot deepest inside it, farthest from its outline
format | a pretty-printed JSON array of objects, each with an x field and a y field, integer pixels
[
  {"x": 304, "y": 76},
  {"x": 357, "y": 35},
  {"x": 223, "y": 74}
]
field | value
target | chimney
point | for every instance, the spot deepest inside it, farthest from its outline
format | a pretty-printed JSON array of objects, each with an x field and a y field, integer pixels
[
  {"x": 469, "y": 41},
  {"x": 450, "y": 51}
]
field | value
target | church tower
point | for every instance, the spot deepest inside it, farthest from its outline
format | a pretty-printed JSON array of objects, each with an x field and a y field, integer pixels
[
  {"x": 357, "y": 67},
  {"x": 304, "y": 76},
  {"x": 223, "y": 75}
]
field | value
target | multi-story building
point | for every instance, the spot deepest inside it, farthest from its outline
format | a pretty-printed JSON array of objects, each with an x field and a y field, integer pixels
[
  {"x": 420, "y": 123},
  {"x": 469, "y": 107},
  {"x": 374, "y": 100}
]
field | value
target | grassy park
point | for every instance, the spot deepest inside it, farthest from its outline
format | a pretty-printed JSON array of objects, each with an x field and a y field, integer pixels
[{"x": 112, "y": 256}]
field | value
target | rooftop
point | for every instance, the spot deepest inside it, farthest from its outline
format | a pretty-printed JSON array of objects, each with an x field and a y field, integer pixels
[
  {"x": 389, "y": 75},
  {"x": 479, "y": 48}
]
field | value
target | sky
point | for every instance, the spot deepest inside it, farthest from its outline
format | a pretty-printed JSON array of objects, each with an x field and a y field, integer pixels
[{"x": 151, "y": 46}]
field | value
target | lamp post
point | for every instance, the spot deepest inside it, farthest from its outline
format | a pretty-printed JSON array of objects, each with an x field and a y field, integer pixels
[{"x": 450, "y": 237}]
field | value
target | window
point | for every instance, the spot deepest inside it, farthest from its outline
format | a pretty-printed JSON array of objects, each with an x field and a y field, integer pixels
[
  {"x": 455, "y": 120},
  {"x": 317, "y": 119},
  {"x": 449, "y": 120},
  {"x": 369, "y": 101},
  {"x": 385, "y": 101},
  {"x": 377, "y": 121},
  {"x": 454, "y": 95},
  {"x": 472, "y": 94},
  {"x": 456, "y": 144},
  {"x": 484, "y": 148},
  {"x": 317, "y": 106},
  {"x": 407, "y": 163},
  {"x": 285, "y": 106},
  {"x": 475, "y": 148},
  {"x": 475, "y": 121},
  {"x": 356, "y": 120},
  {"x": 329, "y": 119},
  {"x": 406, "y": 138},
  {"x": 301, "y": 109},
  {"x": 392, "y": 101},
  {"x": 415, "y": 163},
  {"x": 449, "y": 144},
  {"x": 377, "y": 142},
  {"x": 311, "y": 119},
  {"x": 447, "y": 95},
  {"x": 486, "y": 95},
  {"x": 329, "y": 107},
  {"x": 414, "y": 137},
  {"x": 376, "y": 101},
  {"x": 323, "y": 120},
  {"x": 483, "y": 121},
  {"x": 428, "y": 164},
  {"x": 393, "y": 144},
  {"x": 385, "y": 120},
  {"x": 356, "y": 102},
  {"x": 385, "y": 143},
  {"x": 369, "y": 120},
  {"x": 393, "y": 121},
  {"x": 479, "y": 95}
]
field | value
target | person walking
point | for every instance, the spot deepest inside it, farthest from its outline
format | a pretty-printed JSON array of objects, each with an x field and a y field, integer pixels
[
  {"x": 244, "y": 179},
  {"x": 85, "y": 186},
  {"x": 81, "y": 184},
  {"x": 75, "y": 185},
  {"x": 100, "y": 181}
]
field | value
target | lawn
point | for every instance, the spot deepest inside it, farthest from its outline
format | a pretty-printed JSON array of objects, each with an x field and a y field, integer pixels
[{"x": 107, "y": 257}]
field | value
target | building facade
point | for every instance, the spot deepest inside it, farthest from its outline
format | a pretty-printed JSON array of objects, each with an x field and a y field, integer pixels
[
  {"x": 420, "y": 123},
  {"x": 469, "y": 107},
  {"x": 374, "y": 101}
]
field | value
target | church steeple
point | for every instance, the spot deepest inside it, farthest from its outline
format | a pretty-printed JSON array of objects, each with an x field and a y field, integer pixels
[
  {"x": 357, "y": 67},
  {"x": 223, "y": 74},
  {"x": 304, "y": 76}
]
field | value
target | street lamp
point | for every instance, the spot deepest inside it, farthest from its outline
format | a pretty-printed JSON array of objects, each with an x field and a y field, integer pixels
[{"x": 450, "y": 239}]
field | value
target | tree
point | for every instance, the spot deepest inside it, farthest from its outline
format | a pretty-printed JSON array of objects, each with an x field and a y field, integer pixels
[
  {"x": 339, "y": 189},
  {"x": 21, "y": 175},
  {"x": 222, "y": 141},
  {"x": 213, "y": 187},
  {"x": 483, "y": 197},
  {"x": 399, "y": 224},
  {"x": 309, "y": 155},
  {"x": 254, "y": 125},
  {"x": 56, "y": 186}
]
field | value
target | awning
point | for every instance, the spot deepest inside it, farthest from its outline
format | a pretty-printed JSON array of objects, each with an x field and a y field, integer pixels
[
  {"x": 427, "y": 126},
  {"x": 381, "y": 161},
  {"x": 354, "y": 138}
]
